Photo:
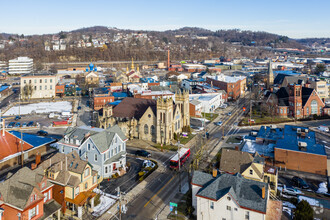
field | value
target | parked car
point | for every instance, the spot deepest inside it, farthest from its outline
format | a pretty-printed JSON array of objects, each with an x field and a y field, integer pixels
[
  {"x": 17, "y": 125},
  {"x": 223, "y": 106},
  {"x": 30, "y": 124},
  {"x": 291, "y": 191},
  {"x": 11, "y": 124},
  {"x": 24, "y": 125},
  {"x": 219, "y": 123},
  {"x": 298, "y": 182},
  {"x": 229, "y": 113},
  {"x": 323, "y": 128},
  {"x": 42, "y": 133},
  {"x": 143, "y": 153},
  {"x": 17, "y": 117},
  {"x": 79, "y": 107},
  {"x": 239, "y": 138}
]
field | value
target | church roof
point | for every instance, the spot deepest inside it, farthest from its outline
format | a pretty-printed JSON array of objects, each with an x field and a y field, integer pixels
[
  {"x": 134, "y": 107},
  {"x": 283, "y": 95}
]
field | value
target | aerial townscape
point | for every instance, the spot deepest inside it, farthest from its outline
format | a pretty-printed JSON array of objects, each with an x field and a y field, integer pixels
[{"x": 166, "y": 120}]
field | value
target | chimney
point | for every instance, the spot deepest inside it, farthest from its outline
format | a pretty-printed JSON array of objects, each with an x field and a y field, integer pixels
[
  {"x": 215, "y": 172},
  {"x": 66, "y": 162},
  {"x": 263, "y": 191},
  {"x": 38, "y": 159},
  {"x": 236, "y": 148}
]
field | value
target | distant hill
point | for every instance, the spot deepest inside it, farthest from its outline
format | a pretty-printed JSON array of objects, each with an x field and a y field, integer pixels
[{"x": 185, "y": 43}]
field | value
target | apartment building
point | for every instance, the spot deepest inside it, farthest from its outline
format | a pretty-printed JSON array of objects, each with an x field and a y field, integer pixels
[
  {"x": 321, "y": 88},
  {"x": 38, "y": 86},
  {"x": 20, "y": 65},
  {"x": 234, "y": 86}
]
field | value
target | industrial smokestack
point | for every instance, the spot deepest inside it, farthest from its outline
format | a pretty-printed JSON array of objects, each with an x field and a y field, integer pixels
[{"x": 168, "y": 59}]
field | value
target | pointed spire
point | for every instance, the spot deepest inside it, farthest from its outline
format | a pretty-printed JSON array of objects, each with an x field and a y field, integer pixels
[
  {"x": 270, "y": 75},
  {"x": 127, "y": 69},
  {"x": 137, "y": 68}
]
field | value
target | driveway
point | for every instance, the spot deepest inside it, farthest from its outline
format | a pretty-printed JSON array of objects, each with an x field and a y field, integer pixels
[{"x": 125, "y": 182}]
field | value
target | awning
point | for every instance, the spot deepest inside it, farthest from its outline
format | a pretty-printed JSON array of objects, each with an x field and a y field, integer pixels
[{"x": 81, "y": 199}]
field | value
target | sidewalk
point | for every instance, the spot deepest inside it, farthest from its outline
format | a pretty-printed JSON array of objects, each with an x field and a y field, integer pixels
[
  {"x": 133, "y": 193},
  {"x": 165, "y": 211}
]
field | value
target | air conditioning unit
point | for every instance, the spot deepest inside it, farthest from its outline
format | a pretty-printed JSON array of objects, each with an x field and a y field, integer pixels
[
  {"x": 298, "y": 130},
  {"x": 302, "y": 144},
  {"x": 273, "y": 126}
]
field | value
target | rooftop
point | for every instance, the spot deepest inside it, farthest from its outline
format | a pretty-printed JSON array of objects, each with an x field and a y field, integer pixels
[
  {"x": 295, "y": 135},
  {"x": 247, "y": 193},
  {"x": 2, "y": 88}
]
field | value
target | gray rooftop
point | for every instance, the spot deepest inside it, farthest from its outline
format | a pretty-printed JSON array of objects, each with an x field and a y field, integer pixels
[
  {"x": 17, "y": 189},
  {"x": 247, "y": 193}
]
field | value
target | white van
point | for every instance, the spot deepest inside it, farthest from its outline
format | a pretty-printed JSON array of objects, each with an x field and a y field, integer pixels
[{"x": 323, "y": 128}]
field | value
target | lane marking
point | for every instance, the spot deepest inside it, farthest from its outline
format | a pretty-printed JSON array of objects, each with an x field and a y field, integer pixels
[{"x": 159, "y": 191}]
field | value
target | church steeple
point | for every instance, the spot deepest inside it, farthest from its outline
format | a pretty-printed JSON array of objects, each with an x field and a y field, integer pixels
[{"x": 270, "y": 75}]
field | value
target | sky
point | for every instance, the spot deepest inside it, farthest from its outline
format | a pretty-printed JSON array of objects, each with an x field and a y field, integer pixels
[{"x": 292, "y": 18}]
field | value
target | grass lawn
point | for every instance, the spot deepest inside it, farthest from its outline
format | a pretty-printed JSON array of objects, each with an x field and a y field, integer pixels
[
  {"x": 265, "y": 120},
  {"x": 233, "y": 140},
  {"x": 184, "y": 140},
  {"x": 166, "y": 147},
  {"x": 208, "y": 116}
]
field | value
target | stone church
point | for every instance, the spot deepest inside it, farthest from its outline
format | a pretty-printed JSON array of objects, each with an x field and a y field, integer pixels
[{"x": 153, "y": 120}]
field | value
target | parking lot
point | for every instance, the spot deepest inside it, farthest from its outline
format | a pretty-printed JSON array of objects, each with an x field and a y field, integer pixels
[
  {"x": 39, "y": 121},
  {"x": 312, "y": 180}
]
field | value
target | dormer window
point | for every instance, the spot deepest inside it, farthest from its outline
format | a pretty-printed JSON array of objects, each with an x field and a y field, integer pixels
[
  {"x": 251, "y": 172},
  {"x": 77, "y": 142}
]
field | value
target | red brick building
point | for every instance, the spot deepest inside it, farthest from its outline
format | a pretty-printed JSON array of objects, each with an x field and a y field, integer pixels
[
  {"x": 101, "y": 101},
  {"x": 233, "y": 89},
  {"x": 296, "y": 101},
  {"x": 27, "y": 195},
  {"x": 60, "y": 90}
]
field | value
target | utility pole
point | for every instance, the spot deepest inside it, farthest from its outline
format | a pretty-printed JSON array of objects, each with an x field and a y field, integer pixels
[
  {"x": 19, "y": 115},
  {"x": 122, "y": 209},
  {"x": 179, "y": 148},
  {"x": 250, "y": 104}
]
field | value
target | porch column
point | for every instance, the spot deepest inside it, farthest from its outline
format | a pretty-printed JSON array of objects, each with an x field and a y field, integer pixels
[
  {"x": 92, "y": 203},
  {"x": 59, "y": 214},
  {"x": 80, "y": 212}
]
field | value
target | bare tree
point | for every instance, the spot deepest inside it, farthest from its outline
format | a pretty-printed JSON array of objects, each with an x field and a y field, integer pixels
[{"x": 27, "y": 91}]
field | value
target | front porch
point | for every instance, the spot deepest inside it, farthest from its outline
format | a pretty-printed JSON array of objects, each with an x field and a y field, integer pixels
[{"x": 74, "y": 207}]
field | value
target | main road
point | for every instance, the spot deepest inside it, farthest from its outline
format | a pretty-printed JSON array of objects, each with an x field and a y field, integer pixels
[{"x": 165, "y": 184}]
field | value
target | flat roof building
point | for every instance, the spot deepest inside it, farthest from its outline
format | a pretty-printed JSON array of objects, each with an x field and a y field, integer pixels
[{"x": 20, "y": 65}]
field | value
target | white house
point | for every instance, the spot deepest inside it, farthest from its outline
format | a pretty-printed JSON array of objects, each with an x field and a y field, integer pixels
[
  {"x": 228, "y": 197},
  {"x": 104, "y": 149}
]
